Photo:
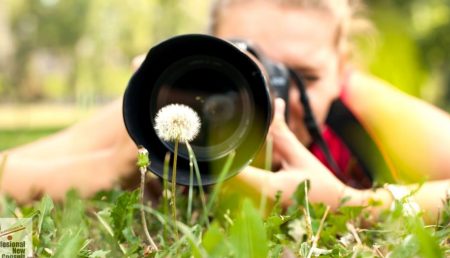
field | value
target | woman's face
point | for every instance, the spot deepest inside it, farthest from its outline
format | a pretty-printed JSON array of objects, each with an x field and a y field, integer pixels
[{"x": 303, "y": 39}]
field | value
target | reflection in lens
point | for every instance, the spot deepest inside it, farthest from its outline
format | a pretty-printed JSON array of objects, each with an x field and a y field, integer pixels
[
  {"x": 217, "y": 92},
  {"x": 219, "y": 108}
]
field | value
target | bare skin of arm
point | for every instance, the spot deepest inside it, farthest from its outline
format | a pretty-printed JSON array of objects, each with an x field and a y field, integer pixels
[
  {"x": 89, "y": 156},
  {"x": 413, "y": 135}
]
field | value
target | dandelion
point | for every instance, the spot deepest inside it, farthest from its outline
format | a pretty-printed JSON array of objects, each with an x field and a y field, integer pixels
[
  {"x": 143, "y": 162},
  {"x": 177, "y": 122}
]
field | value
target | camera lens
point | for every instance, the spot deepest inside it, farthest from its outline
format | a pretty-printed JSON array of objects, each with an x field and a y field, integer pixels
[
  {"x": 223, "y": 84},
  {"x": 217, "y": 92}
]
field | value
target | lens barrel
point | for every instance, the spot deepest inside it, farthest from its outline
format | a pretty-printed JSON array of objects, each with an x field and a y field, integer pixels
[{"x": 221, "y": 82}]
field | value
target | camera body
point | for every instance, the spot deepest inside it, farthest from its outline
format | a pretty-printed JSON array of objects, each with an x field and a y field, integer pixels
[{"x": 230, "y": 84}]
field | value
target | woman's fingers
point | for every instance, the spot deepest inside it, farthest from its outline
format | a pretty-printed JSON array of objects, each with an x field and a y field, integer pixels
[{"x": 286, "y": 145}]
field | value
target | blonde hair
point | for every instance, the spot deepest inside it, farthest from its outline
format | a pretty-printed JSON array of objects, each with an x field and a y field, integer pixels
[{"x": 348, "y": 14}]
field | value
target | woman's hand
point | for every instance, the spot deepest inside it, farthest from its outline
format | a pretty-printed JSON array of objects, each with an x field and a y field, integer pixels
[{"x": 297, "y": 165}]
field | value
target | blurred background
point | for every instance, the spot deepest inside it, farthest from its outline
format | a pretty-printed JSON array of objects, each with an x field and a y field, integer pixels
[{"x": 60, "y": 60}]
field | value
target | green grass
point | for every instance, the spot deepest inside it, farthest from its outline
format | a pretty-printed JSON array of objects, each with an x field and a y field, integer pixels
[
  {"x": 108, "y": 225},
  {"x": 14, "y": 137}
]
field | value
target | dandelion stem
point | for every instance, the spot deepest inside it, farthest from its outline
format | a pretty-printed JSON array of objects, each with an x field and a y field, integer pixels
[
  {"x": 166, "y": 187},
  {"x": 143, "y": 162},
  {"x": 174, "y": 180},
  {"x": 191, "y": 186},
  {"x": 144, "y": 222},
  {"x": 199, "y": 183},
  {"x": 221, "y": 178}
]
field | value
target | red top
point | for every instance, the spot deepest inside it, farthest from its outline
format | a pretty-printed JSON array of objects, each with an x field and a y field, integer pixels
[{"x": 351, "y": 173}]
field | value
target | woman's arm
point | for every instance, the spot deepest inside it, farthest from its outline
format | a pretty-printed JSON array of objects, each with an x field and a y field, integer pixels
[
  {"x": 89, "y": 156},
  {"x": 430, "y": 197},
  {"x": 413, "y": 135},
  {"x": 299, "y": 164}
]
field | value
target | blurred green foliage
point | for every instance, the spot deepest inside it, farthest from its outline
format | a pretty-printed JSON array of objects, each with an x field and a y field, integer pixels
[
  {"x": 82, "y": 50},
  {"x": 412, "y": 46}
]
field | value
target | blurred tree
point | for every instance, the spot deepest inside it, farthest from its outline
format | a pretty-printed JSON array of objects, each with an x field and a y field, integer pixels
[
  {"x": 6, "y": 45},
  {"x": 413, "y": 49},
  {"x": 47, "y": 27},
  {"x": 118, "y": 31},
  {"x": 431, "y": 20},
  {"x": 82, "y": 49}
]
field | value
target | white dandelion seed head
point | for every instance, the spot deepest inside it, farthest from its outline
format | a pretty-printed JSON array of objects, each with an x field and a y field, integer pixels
[{"x": 177, "y": 122}]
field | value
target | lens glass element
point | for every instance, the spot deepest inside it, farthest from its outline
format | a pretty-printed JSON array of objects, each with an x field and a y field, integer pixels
[{"x": 220, "y": 95}]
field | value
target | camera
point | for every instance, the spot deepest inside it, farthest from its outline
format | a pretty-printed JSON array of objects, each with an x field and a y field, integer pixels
[{"x": 230, "y": 84}]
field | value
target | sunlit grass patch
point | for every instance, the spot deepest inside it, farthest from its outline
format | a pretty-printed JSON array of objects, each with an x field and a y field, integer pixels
[{"x": 14, "y": 137}]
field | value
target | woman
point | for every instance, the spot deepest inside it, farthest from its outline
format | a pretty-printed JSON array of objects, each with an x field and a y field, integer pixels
[{"x": 309, "y": 36}]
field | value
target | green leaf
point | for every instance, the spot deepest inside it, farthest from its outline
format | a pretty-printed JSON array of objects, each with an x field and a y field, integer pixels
[
  {"x": 300, "y": 198},
  {"x": 74, "y": 213},
  {"x": 351, "y": 212},
  {"x": 46, "y": 229},
  {"x": 300, "y": 195},
  {"x": 69, "y": 244},
  {"x": 133, "y": 241},
  {"x": 99, "y": 254},
  {"x": 429, "y": 246},
  {"x": 273, "y": 224},
  {"x": 276, "y": 208},
  {"x": 276, "y": 251},
  {"x": 45, "y": 207},
  {"x": 122, "y": 213},
  {"x": 248, "y": 235},
  {"x": 409, "y": 247},
  {"x": 193, "y": 240},
  {"x": 214, "y": 241}
]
